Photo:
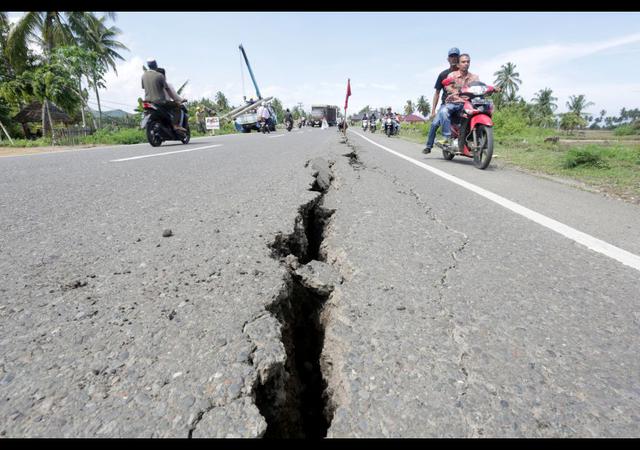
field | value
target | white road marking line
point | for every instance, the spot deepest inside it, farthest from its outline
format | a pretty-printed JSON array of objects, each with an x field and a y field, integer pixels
[
  {"x": 277, "y": 135},
  {"x": 165, "y": 153},
  {"x": 595, "y": 244}
]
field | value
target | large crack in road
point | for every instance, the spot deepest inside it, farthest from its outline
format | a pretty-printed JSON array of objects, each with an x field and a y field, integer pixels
[{"x": 293, "y": 398}]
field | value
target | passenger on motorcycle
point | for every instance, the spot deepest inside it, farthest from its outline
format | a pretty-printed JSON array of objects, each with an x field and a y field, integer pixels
[
  {"x": 454, "y": 102},
  {"x": 263, "y": 116},
  {"x": 173, "y": 102},
  {"x": 453, "y": 56}
]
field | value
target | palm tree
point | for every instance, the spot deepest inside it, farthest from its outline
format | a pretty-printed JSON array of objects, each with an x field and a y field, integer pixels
[
  {"x": 507, "y": 79},
  {"x": 101, "y": 39},
  {"x": 544, "y": 101},
  {"x": 46, "y": 29},
  {"x": 409, "y": 108},
  {"x": 423, "y": 106},
  {"x": 577, "y": 104}
]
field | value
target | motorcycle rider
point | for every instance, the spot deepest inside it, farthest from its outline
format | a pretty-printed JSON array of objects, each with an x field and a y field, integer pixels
[
  {"x": 394, "y": 120},
  {"x": 453, "y": 56},
  {"x": 154, "y": 84},
  {"x": 288, "y": 117},
  {"x": 454, "y": 103},
  {"x": 264, "y": 115},
  {"x": 365, "y": 121}
]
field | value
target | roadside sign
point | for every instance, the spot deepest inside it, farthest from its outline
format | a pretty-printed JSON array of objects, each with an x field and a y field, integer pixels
[{"x": 212, "y": 123}]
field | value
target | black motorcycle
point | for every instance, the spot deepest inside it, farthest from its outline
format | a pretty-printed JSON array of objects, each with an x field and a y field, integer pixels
[
  {"x": 158, "y": 123},
  {"x": 288, "y": 125}
]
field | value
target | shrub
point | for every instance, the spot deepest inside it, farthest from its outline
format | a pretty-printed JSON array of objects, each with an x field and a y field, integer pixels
[
  {"x": 510, "y": 121},
  {"x": 41, "y": 142},
  {"x": 123, "y": 136},
  {"x": 589, "y": 157},
  {"x": 627, "y": 130}
]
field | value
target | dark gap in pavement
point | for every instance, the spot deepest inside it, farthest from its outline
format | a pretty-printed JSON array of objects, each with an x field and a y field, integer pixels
[{"x": 294, "y": 400}]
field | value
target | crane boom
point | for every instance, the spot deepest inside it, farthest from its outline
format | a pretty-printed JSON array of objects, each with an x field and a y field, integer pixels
[{"x": 250, "y": 71}]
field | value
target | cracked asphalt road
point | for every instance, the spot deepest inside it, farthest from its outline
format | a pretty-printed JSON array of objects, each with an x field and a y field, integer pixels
[{"x": 448, "y": 316}]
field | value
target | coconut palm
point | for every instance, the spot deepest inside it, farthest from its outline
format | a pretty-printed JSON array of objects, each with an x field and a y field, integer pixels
[
  {"x": 409, "y": 108},
  {"x": 423, "y": 106},
  {"x": 46, "y": 29},
  {"x": 101, "y": 39},
  {"x": 544, "y": 101},
  {"x": 507, "y": 79},
  {"x": 577, "y": 104}
]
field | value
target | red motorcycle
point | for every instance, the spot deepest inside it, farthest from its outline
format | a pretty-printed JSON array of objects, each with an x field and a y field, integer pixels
[{"x": 472, "y": 129}]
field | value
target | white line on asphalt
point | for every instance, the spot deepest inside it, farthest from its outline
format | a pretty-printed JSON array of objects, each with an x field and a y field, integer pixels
[
  {"x": 277, "y": 135},
  {"x": 595, "y": 244},
  {"x": 165, "y": 153}
]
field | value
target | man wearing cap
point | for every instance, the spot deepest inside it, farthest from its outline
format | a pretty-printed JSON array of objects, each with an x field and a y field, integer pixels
[
  {"x": 453, "y": 55},
  {"x": 153, "y": 83}
]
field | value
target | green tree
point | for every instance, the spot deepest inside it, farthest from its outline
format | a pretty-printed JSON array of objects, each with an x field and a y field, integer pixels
[
  {"x": 572, "y": 120},
  {"x": 409, "y": 107},
  {"x": 99, "y": 38},
  {"x": 222, "y": 103},
  {"x": 577, "y": 104},
  {"x": 508, "y": 80},
  {"x": 544, "y": 107},
  {"x": 49, "y": 82},
  {"x": 423, "y": 106},
  {"x": 81, "y": 62},
  {"x": 277, "y": 107}
]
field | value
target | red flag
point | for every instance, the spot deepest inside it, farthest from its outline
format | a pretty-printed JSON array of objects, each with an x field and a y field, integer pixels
[{"x": 346, "y": 100}]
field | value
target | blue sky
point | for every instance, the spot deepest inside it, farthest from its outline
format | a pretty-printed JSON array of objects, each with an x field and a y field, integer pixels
[{"x": 390, "y": 57}]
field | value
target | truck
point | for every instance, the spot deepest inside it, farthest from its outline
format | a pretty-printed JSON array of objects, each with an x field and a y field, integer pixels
[
  {"x": 329, "y": 112},
  {"x": 245, "y": 117}
]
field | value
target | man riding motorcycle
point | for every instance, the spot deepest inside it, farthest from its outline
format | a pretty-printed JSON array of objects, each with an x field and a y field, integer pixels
[
  {"x": 288, "y": 119},
  {"x": 394, "y": 120},
  {"x": 454, "y": 102},
  {"x": 155, "y": 88}
]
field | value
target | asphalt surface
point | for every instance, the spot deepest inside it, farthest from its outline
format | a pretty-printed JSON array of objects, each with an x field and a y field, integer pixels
[{"x": 428, "y": 309}]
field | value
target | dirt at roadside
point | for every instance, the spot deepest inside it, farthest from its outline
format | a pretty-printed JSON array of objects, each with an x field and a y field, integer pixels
[{"x": 21, "y": 151}]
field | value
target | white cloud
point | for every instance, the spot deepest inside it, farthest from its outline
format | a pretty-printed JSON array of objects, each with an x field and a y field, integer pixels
[
  {"x": 539, "y": 68},
  {"x": 123, "y": 88}
]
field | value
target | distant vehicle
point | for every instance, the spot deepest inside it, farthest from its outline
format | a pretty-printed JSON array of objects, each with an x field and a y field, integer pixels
[
  {"x": 329, "y": 112},
  {"x": 245, "y": 118}
]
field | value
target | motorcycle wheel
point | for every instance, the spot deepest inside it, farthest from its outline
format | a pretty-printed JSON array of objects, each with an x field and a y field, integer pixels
[
  {"x": 153, "y": 134},
  {"x": 187, "y": 138},
  {"x": 482, "y": 156}
]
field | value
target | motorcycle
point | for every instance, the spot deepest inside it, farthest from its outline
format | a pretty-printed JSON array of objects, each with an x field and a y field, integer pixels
[
  {"x": 472, "y": 130},
  {"x": 365, "y": 124},
  {"x": 390, "y": 128},
  {"x": 158, "y": 125},
  {"x": 372, "y": 126},
  {"x": 288, "y": 125},
  {"x": 264, "y": 126}
]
